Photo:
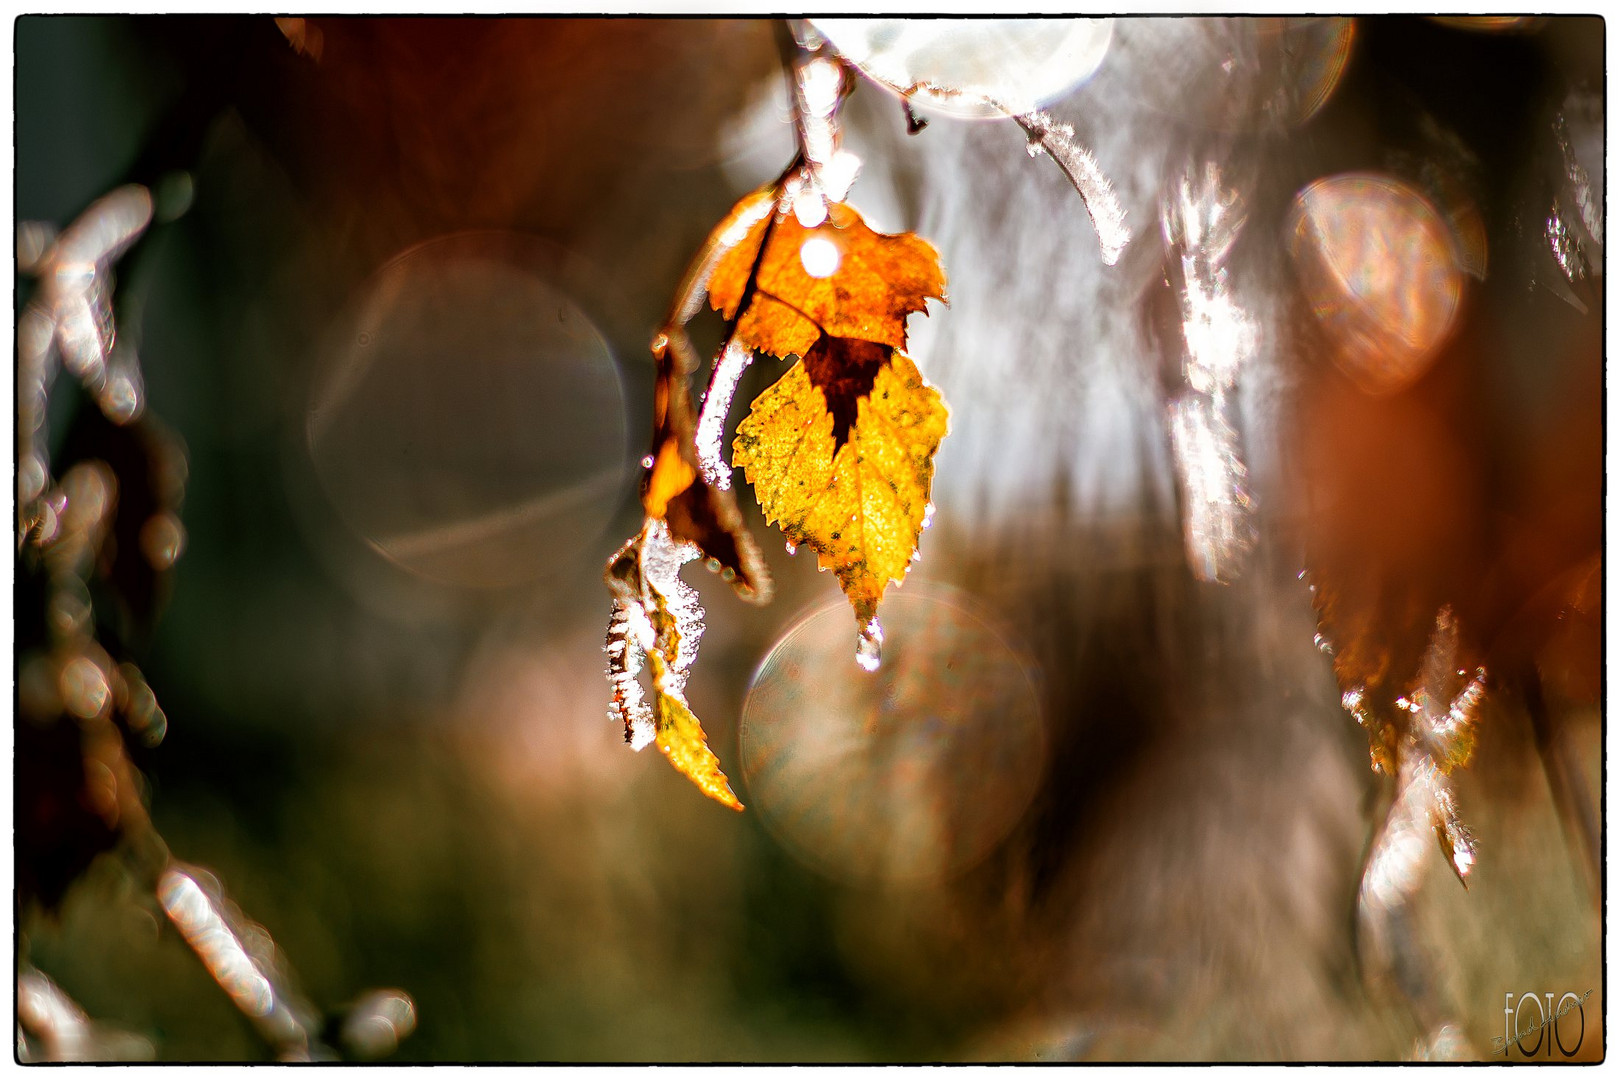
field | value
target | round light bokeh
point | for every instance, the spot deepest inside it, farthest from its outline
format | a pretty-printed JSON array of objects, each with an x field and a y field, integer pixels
[
  {"x": 910, "y": 773},
  {"x": 470, "y": 425},
  {"x": 1020, "y": 64},
  {"x": 1379, "y": 267}
]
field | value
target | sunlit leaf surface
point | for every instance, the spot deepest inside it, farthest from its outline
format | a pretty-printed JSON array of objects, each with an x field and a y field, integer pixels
[
  {"x": 839, "y": 278},
  {"x": 855, "y": 492},
  {"x": 681, "y": 739}
]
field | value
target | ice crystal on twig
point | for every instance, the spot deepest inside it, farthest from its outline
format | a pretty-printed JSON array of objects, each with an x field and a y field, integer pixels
[
  {"x": 1588, "y": 203},
  {"x": 728, "y": 368},
  {"x": 654, "y": 613},
  {"x": 1566, "y": 247},
  {"x": 1049, "y": 136},
  {"x": 1436, "y": 739}
]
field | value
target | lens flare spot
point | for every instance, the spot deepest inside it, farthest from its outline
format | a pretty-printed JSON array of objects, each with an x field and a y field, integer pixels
[
  {"x": 162, "y": 538},
  {"x": 1239, "y": 75},
  {"x": 1379, "y": 268},
  {"x": 490, "y": 470},
  {"x": 377, "y": 1023},
  {"x": 84, "y": 688},
  {"x": 1490, "y": 24},
  {"x": 820, "y": 257}
]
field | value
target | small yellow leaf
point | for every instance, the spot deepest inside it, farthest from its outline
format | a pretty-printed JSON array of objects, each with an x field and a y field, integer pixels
[
  {"x": 681, "y": 739},
  {"x": 860, "y": 501},
  {"x": 865, "y": 283}
]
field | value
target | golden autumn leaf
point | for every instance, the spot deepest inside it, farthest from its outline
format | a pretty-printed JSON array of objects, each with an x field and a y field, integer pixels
[
  {"x": 840, "y": 450},
  {"x": 840, "y": 453},
  {"x": 681, "y": 739},
  {"x": 840, "y": 279}
]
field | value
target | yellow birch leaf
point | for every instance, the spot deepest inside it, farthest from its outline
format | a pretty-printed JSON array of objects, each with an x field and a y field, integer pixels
[
  {"x": 847, "y": 472},
  {"x": 872, "y": 281},
  {"x": 681, "y": 739}
]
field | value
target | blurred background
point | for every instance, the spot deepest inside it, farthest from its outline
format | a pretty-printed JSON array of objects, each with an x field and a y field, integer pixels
[{"x": 1102, "y": 801}]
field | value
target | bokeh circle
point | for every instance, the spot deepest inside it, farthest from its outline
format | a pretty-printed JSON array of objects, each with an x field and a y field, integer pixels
[
  {"x": 469, "y": 424},
  {"x": 1379, "y": 266},
  {"x": 910, "y": 773}
]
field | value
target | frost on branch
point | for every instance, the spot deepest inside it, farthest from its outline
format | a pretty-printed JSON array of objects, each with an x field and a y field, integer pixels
[
  {"x": 657, "y": 618},
  {"x": 1050, "y": 136},
  {"x": 691, "y": 513},
  {"x": 935, "y": 65},
  {"x": 1056, "y": 139},
  {"x": 654, "y": 612},
  {"x": 728, "y": 369}
]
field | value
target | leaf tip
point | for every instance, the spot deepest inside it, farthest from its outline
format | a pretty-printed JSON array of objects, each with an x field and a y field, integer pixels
[{"x": 681, "y": 740}]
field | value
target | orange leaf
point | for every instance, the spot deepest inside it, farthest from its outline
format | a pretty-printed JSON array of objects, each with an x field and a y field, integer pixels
[
  {"x": 670, "y": 475},
  {"x": 840, "y": 278}
]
